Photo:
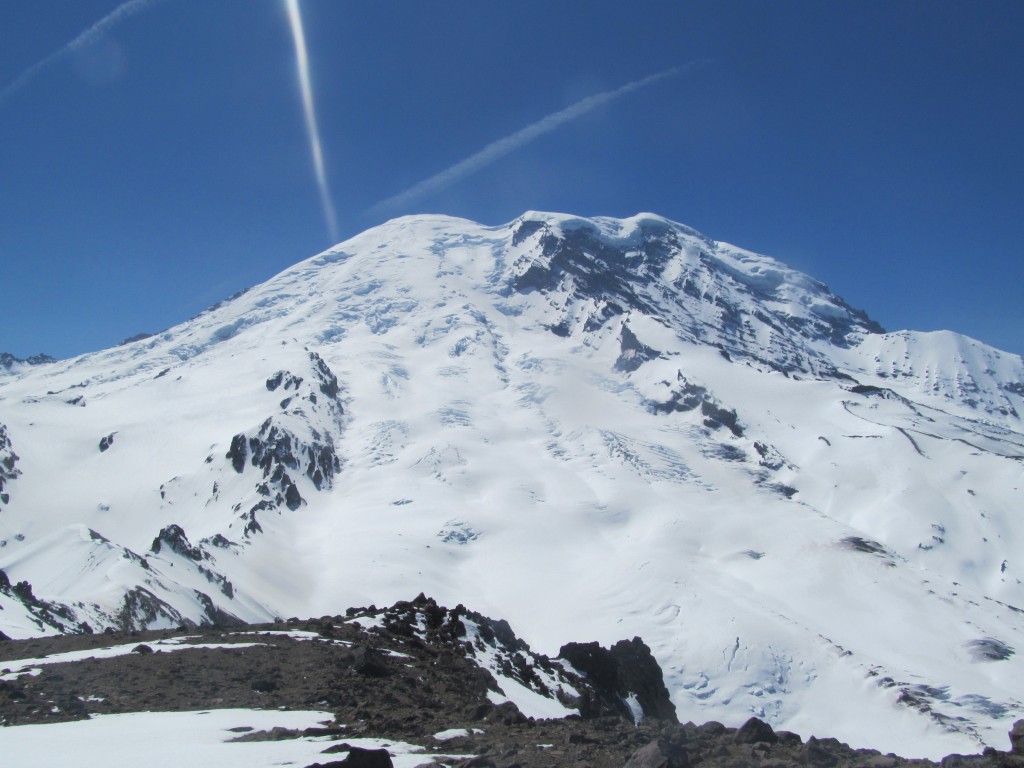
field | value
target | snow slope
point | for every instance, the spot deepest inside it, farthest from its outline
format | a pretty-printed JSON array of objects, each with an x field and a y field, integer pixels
[
  {"x": 143, "y": 738},
  {"x": 592, "y": 427}
]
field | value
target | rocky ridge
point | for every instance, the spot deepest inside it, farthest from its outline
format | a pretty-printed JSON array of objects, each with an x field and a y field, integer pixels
[
  {"x": 416, "y": 672},
  {"x": 11, "y": 364}
]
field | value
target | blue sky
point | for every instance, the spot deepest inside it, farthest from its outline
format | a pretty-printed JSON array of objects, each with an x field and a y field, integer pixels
[{"x": 165, "y": 164}]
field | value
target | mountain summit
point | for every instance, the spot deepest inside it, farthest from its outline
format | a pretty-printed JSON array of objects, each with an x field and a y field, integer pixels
[{"x": 595, "y": 428}]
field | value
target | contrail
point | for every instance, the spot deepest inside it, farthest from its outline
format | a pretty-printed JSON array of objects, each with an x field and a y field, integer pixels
[
  {"x": 502, "y": 147},
  {"x": 302, "y": 60},
  {"x": 90, "y": 35}
]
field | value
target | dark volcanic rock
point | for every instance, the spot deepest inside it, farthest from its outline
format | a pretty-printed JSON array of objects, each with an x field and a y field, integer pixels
[
  {"x": 360, "y": 758},
  {"x": 684, "y": 396},
  {"x": 591, "y": 278},
  {"x": 8, "y": 465},
  {"x": 238, "y": 452},
  {"x": 868, "y": 546},
  {"x": 433, "y": 678},
  {"x": 820, "y": 753},
  {"x": 326, "y": 379},
  {"x": 659, "y": 754},
  {"x": 627, "y": 669},
  {"x": 173, "y": 538},
  {"x": 1017, "y": 738},
  {"x": 44, "y": 613},
  {"x": 8, "y": 361},
  {"x": 716, "y": 416},
  {"x": 989, "y": 649},
  {"x": 285, "y": 379},
  {"x": 368, "y": 662},
  {"x": 632, "y": 352},
  {"x": 297, "y": 441},
  {"x": 755, "y": 730},
  {"x": 137, "y": 337}
]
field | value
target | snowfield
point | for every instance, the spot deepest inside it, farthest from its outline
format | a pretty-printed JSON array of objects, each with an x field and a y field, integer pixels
[
  {"x": 592, "y": 428},
  {"x": 156, "y": 739}
]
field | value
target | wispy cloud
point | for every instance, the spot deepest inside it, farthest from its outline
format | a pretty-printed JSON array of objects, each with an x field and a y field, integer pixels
[
  {"x": 498, "y": 149},
  {"x": 302, "y": 61},
  {"x": 86, "y": 38}
]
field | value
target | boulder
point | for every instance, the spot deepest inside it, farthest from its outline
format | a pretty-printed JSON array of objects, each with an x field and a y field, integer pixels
[
  {"x": 818, "y": 753},
  {"x": 360, "y": 758},
  {"x": 753, "y": 731},
  {"x": 661, "y": 753},
  {"x": 1017, "y": 738}
]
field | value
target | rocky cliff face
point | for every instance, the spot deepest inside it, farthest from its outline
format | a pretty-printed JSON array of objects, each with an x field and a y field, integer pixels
[{"x": 750, "y": 306}]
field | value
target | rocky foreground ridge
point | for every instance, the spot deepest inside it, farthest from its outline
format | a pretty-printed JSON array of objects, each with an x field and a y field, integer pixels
[{"x": 418, "y": 673}]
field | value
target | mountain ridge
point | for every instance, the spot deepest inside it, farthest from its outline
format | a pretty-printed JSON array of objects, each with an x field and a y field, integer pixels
[
  {"x": 405, "y": 682},
  {"x": 414, "y": 677}
]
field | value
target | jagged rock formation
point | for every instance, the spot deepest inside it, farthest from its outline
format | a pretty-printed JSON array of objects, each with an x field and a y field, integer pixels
[
  {"x": 292, "y": 441},
  {"x": 9, "y": 363},
  {"x": 46, "y": 613},
  {"x": 707, "y": 296},
  {"x": 8, "y": 465},
  {"x": 150, "y": 602},
  {"x": 626, "y": 676}
]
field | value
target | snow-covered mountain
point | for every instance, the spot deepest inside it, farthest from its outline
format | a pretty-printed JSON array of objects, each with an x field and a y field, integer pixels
[{"x": 594, "y": 428}]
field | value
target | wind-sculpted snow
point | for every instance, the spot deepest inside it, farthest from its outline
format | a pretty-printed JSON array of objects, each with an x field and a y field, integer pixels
[{"x": 593, "y": 427}]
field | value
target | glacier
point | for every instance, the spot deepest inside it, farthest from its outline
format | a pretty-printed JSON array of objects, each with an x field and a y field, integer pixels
[{"x": 591, "y": 427}]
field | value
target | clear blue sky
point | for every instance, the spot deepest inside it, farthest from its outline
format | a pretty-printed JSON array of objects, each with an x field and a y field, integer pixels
[{"x": 165, "y": 164}]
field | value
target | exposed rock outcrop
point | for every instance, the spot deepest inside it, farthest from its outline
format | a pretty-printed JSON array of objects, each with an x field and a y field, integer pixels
[
  {"x": 625, "y": 671},
  {"x": 8, "y": 465},
  {"x": 297, "y": 442}
]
